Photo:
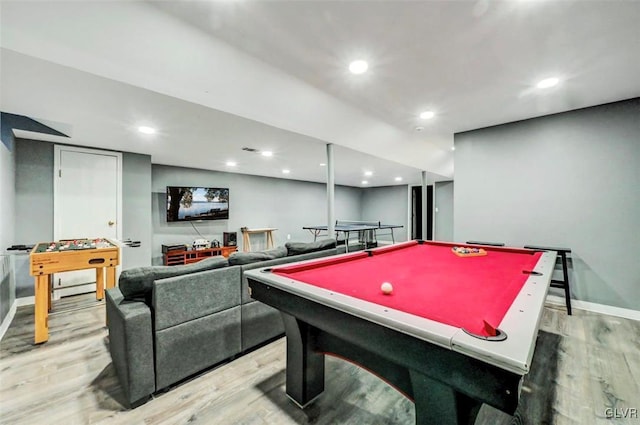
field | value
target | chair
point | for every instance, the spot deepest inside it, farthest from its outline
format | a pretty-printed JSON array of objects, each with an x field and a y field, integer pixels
[{"x": 557, "y": 283}]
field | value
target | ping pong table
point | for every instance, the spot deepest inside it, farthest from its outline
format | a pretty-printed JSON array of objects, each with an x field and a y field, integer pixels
[{"x": 366, "y": 231}]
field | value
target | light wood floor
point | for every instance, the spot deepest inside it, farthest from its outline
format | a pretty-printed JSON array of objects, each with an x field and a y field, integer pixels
[{"x": 583, "y": 365}]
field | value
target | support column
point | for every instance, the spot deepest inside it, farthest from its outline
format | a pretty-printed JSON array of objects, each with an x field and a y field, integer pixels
[
  {"x": 331, "y": 214},
  {"x": 423, "y": 219}
]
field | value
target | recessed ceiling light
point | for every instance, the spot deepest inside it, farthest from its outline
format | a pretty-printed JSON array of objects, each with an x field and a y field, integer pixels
[
  {"x": 231, "y": 163},
  {"x": 398, "y": 179},
  {"x": 365, "y": 182},
  {"x": 453, "y": 148},
  {"x": 146, "y": 130},
  {"x": 358, "y": 67},
  {"x": 548, "y": 82},
  {"x": 285, "y": 171},
  {"x": 368, "y": 173},
  {"x": 266, "y": 153},
  {"x": 322, "y": 164},
  {"x": 427, "y": 115}
]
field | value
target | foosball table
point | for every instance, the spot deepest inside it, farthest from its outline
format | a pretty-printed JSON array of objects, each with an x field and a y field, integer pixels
[{"x": 47, "y": 258}]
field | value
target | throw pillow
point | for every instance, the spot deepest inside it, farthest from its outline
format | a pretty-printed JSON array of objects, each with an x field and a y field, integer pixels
[{"x": 240, "y": 258}]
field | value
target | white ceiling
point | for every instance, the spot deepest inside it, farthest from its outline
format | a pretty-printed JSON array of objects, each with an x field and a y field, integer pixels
[{"x": 214, "y": 77}]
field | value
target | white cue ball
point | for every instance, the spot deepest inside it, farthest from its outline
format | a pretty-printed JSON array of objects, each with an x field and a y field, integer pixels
[{"x": 386, "y": 288}]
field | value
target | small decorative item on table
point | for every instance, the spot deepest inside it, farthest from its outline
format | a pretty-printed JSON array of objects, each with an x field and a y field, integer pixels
[{"x": 465, "y": 251}]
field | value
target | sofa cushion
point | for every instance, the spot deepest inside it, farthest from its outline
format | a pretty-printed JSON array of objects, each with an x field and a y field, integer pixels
[
  {"x": 137, "y": 282},
  {"x": 296, "y": 248},
  {"x": 240, "y": 258}
]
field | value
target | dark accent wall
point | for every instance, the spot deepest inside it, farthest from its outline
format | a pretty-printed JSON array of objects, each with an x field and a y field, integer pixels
[
  {"x": 9, "y": 122},
  {"x": 569, "y": 180}
]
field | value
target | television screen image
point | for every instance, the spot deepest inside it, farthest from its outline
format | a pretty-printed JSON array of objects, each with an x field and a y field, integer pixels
[{"x": 197, "y": 203}]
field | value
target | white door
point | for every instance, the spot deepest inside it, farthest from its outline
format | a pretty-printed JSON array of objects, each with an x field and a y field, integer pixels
[{"x": 87, "y": 204}]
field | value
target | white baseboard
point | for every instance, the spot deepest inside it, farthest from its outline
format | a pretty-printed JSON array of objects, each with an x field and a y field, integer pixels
[
  {"x": 597, "y": 308},
  {"x": 8, "y": 319},
  {"x": 26, "y": 301}
]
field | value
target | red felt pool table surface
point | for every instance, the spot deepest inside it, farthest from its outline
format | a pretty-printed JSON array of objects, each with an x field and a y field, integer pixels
[{"x": 428, "y": 280}]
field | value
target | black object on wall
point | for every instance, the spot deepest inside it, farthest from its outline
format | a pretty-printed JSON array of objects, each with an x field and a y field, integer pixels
[
  {"x": 197, "y": 203},
  {"x": 416, "y": 213},
  {"x": 230, "y": 238}
]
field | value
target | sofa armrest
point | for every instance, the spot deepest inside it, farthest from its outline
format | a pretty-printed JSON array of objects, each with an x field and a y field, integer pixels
[{"x": 131, "y": 345}]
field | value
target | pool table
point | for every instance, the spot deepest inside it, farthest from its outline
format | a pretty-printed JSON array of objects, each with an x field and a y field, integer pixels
[{"x": 455, "y": 331}]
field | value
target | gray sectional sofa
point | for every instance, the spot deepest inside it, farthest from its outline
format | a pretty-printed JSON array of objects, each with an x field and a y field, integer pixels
[{"x": 167, "y": 323}]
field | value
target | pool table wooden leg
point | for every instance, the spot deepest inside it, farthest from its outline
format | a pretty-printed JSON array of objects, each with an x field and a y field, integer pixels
[
  {"x": 305, "y": 368},
  {"x": 437, "y": 403}
]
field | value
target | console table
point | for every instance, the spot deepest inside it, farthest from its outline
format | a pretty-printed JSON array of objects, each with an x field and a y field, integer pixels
[
  {"x": 179, "y": 257},
  {"x": 246, "y": 239}
]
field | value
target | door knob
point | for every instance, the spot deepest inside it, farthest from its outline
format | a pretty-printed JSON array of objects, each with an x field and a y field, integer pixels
[{"x": 111, "y": 223}]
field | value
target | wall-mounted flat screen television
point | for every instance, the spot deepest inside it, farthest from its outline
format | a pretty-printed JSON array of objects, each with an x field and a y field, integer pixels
[{"x": 197, "y": 203}]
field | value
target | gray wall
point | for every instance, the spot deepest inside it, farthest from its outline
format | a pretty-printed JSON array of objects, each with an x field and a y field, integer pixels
[
  {"x": 7, "y": 286},
  {"x": 7, "y": 216},
  {"x": 443, "y": 211},
  {"x": 34, "y": 201},
  {"x": 34, "y": 191},
  {"x": 389, "y": 205},
  {"x": 569, "y": 180},
  {"x": 136, "y": 209},
  {"x": 254, "y": 202}
]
